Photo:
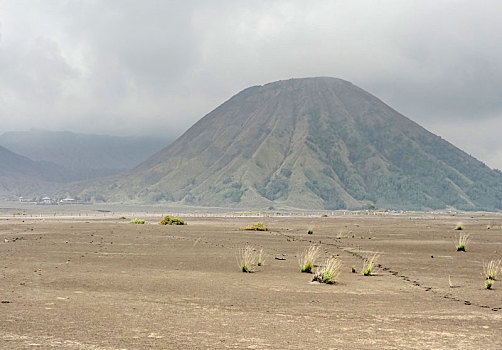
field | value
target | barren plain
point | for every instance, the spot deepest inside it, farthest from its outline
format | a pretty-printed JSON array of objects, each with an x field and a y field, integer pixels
[{"x": 99, "y": 282}]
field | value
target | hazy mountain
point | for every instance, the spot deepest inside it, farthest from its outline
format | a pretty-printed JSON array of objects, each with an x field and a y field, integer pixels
[
  {"x": 20, "y": 175},
  {"x": 309, "y": 143},
  {"x": 83, "y": 156}
]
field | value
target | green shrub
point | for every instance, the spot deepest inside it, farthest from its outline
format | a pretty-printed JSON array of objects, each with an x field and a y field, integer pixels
[
  {"x": 171, "y": 220},
  {"x": 138, "y": 221},
  {"x": 459, "y": 228},
  {"x": 310, "y": 231},
  {"x": 256, "y": 227}
]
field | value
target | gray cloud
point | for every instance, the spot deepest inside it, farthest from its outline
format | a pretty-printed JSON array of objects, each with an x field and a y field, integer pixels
[{"x": 128, "y": 67}]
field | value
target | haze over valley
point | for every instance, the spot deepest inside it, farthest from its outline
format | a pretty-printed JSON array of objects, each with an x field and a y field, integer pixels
[{"x": 37, "y": 163}]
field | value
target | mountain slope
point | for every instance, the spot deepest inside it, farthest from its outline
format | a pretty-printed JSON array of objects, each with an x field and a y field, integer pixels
[
  {"x": 83, "y": 156},
  {"x": 20, "y": 175},
  {"x": 310, "y": 143}
]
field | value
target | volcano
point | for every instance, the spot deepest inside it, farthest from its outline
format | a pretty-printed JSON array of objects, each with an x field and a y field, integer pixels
[{"x": 313, "y": 143}]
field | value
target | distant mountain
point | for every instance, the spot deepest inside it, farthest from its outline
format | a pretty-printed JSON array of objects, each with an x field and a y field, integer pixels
[
  {"x": 21, "y": 176},
  {"x": 83, "y": 156},
  {"x": 315, "y": 143}
]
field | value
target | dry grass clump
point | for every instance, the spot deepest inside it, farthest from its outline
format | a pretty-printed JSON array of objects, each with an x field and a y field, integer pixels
[
  {"x": 171, "y": 220},
  {"x": 137, "y": 221},
  {"x": 260, "y": 259},
  {"x": 329, "y": 272},
  {"x": 491, "y": 269},
  {"x": 462, "y": 243},
  {"x": 256, "y": 227},
  {"x": 247, "y": 259},
  {"x": 369, "y": 264},
  {"x": 308, "y": 257}
]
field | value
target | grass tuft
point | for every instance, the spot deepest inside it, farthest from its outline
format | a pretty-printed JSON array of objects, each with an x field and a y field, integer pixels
[
  {"x": 369, "y": 264},
  {"x": 256, "y": 227},
  {"x": 137, "y": 221},
  {"x": 308, "y": 257},
  {"x": 459, "y": 228},
  {"x": 491, "y": 269},
  {"x": 462, "y": 243},
  {"x": 260, "y": 260},
  {"x": 171, "y": 220},
  {"x": 329, "y": 272},
  {"x": 489, "y": 284},
  {"x": 247, "y": 259},
  {"x": 310, "y": 231}
]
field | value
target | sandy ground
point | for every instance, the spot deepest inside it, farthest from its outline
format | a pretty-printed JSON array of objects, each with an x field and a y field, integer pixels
[{"x": 102, "y": 283}]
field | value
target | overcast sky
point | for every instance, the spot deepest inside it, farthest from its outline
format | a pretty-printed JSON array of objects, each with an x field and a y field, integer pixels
[{"x": 156, "y": 67}]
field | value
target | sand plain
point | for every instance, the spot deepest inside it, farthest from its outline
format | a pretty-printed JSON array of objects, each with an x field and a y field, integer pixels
[{"x": 99, "y": 282}]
